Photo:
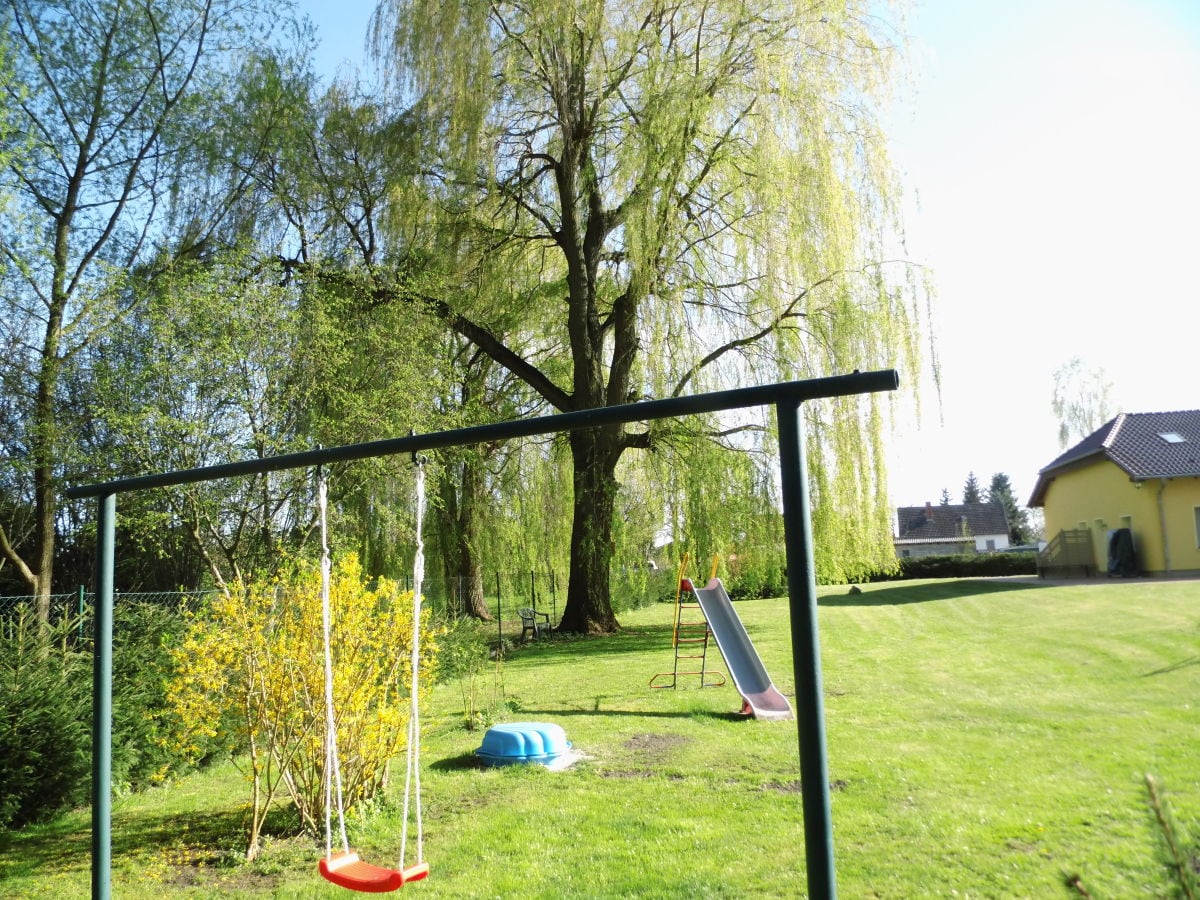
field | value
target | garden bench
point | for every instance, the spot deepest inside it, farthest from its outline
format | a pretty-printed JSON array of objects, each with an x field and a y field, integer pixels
[{"x": 530, "y": 623}]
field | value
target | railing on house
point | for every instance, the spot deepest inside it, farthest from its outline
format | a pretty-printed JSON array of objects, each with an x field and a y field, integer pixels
[{"x": 1068, "y": 553}]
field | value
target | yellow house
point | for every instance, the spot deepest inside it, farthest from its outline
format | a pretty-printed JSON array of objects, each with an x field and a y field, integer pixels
[{"x": 1141, "y": 471}]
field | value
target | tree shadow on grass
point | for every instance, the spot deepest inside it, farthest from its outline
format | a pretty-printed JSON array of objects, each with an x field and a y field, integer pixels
[
  {"x": 614, "y": 713},
  {"x": 901, "y": 593},
  {"x": 220, "y": 831},
  {"x": 460, "y": 763},
  {"x": 630, "y": 639},
  {"x": 180, "y": 847},
  {"x": 65, "y": 844},
  {"x": 1174, "y": 667},
  {"x": 468, "y": 761}
]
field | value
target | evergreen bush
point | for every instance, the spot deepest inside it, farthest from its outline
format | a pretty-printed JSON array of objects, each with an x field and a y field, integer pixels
[{"x": 45, "y": 704}]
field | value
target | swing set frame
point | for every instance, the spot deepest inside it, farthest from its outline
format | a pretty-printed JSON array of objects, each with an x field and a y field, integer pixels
[{"x": 786, "y": 397}]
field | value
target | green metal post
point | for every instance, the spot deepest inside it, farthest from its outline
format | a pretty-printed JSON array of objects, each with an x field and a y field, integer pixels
[
  {"x": 806, "y": 654},
  {"x": 102, "y": 701}
]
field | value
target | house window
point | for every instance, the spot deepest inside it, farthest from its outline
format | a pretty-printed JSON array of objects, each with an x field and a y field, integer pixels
[
  {"x": 1172, "y": 437},
  {"x": 991, "y": 545}
]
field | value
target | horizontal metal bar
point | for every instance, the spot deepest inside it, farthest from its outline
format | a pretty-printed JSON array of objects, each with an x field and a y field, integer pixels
[{"x": 717, "y": 401}]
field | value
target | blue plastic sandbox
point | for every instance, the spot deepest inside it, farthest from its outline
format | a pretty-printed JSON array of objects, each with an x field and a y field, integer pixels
[{"x": 523, "y": 742}]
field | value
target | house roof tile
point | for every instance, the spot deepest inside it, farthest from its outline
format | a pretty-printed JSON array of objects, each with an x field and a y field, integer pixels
[
  {"x": 931, "y": 523},
  {"x": 1144, "y": 445}
]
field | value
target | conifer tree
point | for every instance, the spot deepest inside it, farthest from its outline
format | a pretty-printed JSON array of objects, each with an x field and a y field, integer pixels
[
  {"x": 1001, "y": 491},
  {"x": 971, "y": 491}
]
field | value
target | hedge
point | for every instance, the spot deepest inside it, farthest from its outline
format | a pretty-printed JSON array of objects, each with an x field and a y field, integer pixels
[{"x": 963, "y": 565}]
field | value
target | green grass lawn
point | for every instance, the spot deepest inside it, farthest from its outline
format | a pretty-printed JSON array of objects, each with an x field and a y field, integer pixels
[{"x": 986, "y": 739}]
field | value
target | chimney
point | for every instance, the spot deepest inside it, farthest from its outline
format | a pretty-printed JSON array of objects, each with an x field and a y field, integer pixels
[{"x": 928, "y": 511}]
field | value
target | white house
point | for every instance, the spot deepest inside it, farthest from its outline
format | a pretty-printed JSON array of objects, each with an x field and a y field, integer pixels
[{"x": 951, "y": 528}]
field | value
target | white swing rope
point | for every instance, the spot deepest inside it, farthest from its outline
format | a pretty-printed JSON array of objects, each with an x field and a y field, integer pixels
[
  {"x": 412, "y": 774},
  {"x": 333, "y": 767},
  {"x": 333, "y": 770}
]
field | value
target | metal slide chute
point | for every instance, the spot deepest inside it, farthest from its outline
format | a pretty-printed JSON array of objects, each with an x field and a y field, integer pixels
[{"x": 760, "y": 697}]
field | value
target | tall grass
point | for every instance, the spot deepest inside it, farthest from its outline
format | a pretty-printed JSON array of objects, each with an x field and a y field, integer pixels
[{"x": 986, "y": 739}]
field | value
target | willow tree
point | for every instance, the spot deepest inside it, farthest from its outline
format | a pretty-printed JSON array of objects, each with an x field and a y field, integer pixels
[
  {"x": 1082, "y": 400},
  {"x": 703, "y": 188}
]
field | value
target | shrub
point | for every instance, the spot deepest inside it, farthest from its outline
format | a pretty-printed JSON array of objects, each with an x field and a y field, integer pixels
[
  {"x": 254, "y": 663},
  {"x": 46, "y": 709},
  {"x": 463, "y": 655},
  {"x": 966, "y": 565},
  {"x": 636, "y": 586},
  {"x": 45, "y": 713},
  {"x": 143, "y": 636},
  {"x": 758, "y": 585},
  {"x": 462, "y": 649}
]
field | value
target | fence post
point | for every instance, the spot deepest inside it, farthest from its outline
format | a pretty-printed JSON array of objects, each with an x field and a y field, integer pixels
[
  {"x": 82, "y": 595},
  {"x": 499, "y": 617}
]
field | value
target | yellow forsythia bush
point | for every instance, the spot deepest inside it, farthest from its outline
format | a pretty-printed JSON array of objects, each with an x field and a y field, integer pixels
[{"x": 254, "y": 658}]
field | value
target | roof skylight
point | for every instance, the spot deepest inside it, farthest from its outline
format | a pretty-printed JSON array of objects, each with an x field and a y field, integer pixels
[{"x": 1172, "y": 437}]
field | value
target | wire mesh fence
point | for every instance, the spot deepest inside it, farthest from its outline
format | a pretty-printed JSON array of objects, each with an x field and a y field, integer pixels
[
  {"x": 74, "y": 610},
  {"x": 501, "y": 593},
  {"x": 80, "y": 600}
]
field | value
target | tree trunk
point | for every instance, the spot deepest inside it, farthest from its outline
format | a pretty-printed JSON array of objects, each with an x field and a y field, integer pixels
[
  {"x": 460, "y": 490},
  {"x": 594, "y": 455},
  {"x": 43, "y": 566},
  {"x": 44, "y": 453},
  {"x": 474, "y": 604},
  {"x": 470, "y": 569}
]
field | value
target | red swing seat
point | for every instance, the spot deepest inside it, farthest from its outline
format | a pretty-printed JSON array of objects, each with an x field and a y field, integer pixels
[{"x": 348, "y": 871}]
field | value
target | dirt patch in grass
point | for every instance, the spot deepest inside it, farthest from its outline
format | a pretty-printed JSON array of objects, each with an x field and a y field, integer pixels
[
  {"x": 783, "y": 787},
  {"x": 795, "y": 787},
  {"x": 640, "y": 773},
  {"x": 1021, "y": 846},
  {"x": 656, "y": 746},
  {"x": 628, "y": 773},
  {"x": 247, "y": 880}
]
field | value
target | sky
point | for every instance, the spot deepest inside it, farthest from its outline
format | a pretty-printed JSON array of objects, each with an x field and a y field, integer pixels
[{"x": 1050, "y": 153}]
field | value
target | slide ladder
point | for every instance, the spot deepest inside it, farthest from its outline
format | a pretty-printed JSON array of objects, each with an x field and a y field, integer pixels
[{"x": 690, "y": 640}]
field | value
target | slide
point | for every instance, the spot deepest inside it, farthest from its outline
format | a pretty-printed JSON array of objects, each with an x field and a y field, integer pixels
[{"x": 761, "y": 698}]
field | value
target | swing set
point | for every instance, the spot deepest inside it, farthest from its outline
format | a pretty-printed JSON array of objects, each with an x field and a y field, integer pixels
[{"x": 345, "y": 868}]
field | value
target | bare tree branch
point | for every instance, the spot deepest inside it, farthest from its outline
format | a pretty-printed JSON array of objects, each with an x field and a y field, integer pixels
[
  {"x": 787, "y": 312},
  {"x": 10, "y": 553}
]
